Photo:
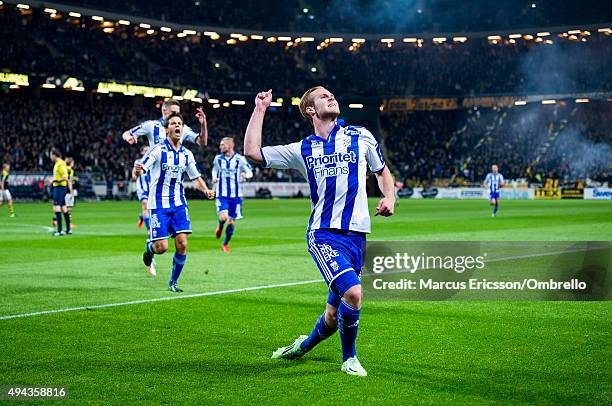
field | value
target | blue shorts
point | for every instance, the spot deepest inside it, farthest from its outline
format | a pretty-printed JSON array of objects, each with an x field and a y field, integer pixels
[
  {"x": 230, "y": 205},
  {"x": 494, "y": 195},
  {"x": 339, "y": 255},
  {"x": 59, "y": 195},
  {"x": 169, "y": 222}
]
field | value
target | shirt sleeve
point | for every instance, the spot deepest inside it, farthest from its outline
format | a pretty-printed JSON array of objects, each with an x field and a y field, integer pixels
[
  {"x": 374, "y": 157},
  {"x": 215, "y": 169},
  {"x": 150, "y": 158},
  {"x": 141, "y": 129},
  {"x": 190, "y": 135},
  {"x": 501, "y": 179},
  {"x": 283, "y": 156},
  {"x": 192, "y": 169},
  {"x": 246, "y": 168}
]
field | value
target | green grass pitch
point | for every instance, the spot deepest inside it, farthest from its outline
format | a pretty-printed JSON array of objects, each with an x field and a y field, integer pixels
[{"x": 216, "y": 349}]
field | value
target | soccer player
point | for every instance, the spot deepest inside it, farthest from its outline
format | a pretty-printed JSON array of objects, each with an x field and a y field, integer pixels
[
  {"x": 334, "y": 161},
  {"x": 5, "y": 193},
  {"x": 493, "y": 182},
  {"x": 168, "y": 163},
  {"x": 71, "y": 191},
  {"x": 230, "y": 170},
  {"x": 155, "y": 130},
  {"x": 60, "y": 185}
]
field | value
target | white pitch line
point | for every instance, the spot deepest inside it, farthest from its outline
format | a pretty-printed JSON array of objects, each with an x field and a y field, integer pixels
[{"x": 159, "y": 299}]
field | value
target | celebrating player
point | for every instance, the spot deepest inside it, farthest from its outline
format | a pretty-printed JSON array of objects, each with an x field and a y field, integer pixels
[
  {"x": 334, "y": 161},
  {"x": 493, "y": 182},
  {"x": 168, "y": 163},
  {"x": 5, "y": 193},
  {"x": 155, "y": 130},
  {"x": 60, "y": 185},
  {"x": 230, "y": 170}
]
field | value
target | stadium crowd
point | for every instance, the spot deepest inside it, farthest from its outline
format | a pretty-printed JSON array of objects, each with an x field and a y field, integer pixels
[
  {"x": 37, "y": 44},
  {"x": 351, "y": 16},
  {"x": 530, "y": 141},
  {"x": 566, "y": 141}
]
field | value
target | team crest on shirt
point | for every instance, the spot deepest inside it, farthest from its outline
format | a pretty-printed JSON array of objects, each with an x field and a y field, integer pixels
[
  {"x": 334, "y": 265},
  {"x": 346, "y": 142}
]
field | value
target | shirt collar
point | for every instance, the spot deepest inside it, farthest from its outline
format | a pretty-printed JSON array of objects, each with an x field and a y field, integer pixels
[{"x": 332, "y": 133}]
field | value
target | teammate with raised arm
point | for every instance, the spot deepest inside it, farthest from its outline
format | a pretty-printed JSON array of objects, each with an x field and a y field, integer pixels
[
  {"x": 168, "y": 164},
  {"x": 334, "y": 161},
  {"x": 155, "y": 131}
]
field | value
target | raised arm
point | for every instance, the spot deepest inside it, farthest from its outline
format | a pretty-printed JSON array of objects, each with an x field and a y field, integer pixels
[
  {"x": 387, "y": 187},
  {"x": 129, "y": 138},
  {"x": 252, "y": 136},
  {"x": 203, "y": 138}
]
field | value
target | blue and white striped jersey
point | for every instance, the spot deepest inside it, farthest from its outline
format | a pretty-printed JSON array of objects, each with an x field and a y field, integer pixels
[
  {"x": 228, "y": 171},
  {"x": 336, "y": 171},
  {"x": 168, "y": 168},
  {"x": 156, "y": 133},
  {"x": 494, "y": 182},
  {"x": 142, "y": 182}
]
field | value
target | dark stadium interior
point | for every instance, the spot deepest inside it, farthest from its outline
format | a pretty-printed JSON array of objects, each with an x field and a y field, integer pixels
[{"x": 453, "y": 147}]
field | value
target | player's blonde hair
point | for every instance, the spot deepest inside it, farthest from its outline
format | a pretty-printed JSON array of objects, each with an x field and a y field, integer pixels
[
  {"x": 307, "y": 101},
  {"x": 231, "y": 139}
]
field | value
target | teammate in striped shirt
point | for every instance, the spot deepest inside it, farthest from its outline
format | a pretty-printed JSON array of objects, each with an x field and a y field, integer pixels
[
  {"x": 168, "y": 163},
  {"x": 230, "y": 170},
  {"x": 334, "y": 161},
  {"x": 155, "y": 130},
  {"x": 493, "y": 182}
]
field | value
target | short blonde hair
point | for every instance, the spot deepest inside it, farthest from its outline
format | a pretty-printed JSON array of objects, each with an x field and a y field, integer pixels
[
  {"x": 227, "y": 139},
  {"x": 307, "y": 101}
]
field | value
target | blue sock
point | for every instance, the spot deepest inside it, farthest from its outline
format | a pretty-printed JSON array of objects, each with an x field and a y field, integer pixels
[
  {"x": 177, "y": 266},
  {"x": 348, "y": 323},
  {"x": 320, "y": 332},
  {"x": 150, "y": 247},
  {"x": 58, "y": 218},
  {"x": 495, "y": 208},
  {"x": 146, "y": 221},
  {"x": 229, "y": 231}
]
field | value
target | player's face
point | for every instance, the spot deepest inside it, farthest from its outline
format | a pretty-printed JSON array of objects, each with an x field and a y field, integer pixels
[
  {"x": 226, "y": 146},
  {"x": 494, "y": 169},
  {"x": 175, "y": 129},
  {"x": 166, "y": 111},
  {"x": 325, "y": 104}
]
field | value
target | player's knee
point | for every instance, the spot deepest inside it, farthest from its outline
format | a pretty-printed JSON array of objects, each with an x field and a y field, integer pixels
[
  {"x": 181, "y": 246},
  {"x": 223, "y": 217},
  {"x": 353, "y": 296},
  {"x": 160, "y": 246},
  {"x": 231, "y": 222}
]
